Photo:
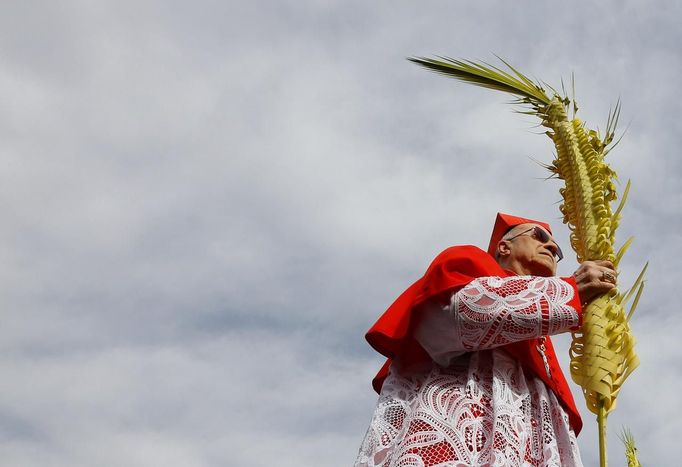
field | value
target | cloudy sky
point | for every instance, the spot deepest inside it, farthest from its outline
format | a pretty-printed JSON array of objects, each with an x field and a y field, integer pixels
[{"x": 206, "y": 204}]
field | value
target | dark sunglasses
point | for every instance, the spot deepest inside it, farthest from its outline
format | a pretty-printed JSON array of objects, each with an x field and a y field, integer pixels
[{"x": 543, "y": 237}]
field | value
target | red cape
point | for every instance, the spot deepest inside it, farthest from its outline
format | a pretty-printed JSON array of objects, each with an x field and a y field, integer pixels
[{"x": 450, "y": 271}]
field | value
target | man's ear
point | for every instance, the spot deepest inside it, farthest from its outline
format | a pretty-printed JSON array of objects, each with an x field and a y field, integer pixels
[{"x": 503, "y": 249}]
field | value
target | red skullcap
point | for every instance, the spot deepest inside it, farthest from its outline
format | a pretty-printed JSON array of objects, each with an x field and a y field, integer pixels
[{"x": 503, "y": 223}]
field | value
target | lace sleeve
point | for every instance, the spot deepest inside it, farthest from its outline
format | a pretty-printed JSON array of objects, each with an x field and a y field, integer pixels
[{"x": 492, "y": 311}]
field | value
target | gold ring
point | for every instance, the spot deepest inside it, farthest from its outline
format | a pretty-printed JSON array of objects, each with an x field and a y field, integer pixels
[{"x": 607, "y": 276}]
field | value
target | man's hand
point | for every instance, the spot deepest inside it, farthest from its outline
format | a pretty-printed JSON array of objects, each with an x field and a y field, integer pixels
[{"x": 594, "y": 278}]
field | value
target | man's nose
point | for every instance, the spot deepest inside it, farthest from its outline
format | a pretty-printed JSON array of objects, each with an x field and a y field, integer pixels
[{"x": 552, "y": 247}]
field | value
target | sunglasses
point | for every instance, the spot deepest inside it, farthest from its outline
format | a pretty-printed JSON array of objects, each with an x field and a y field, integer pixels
[{"x": 543, "y": 237}]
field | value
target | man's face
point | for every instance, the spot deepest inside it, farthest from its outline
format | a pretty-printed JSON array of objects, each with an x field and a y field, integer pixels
[{"x": 526, "y": 254}]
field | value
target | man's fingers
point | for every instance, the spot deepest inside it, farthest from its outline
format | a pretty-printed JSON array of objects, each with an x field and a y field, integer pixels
[
  {"x": 596, "y": 271},
  {"x": 605, "y": 264},
  {"x": 588, "y": 289},
  {"x": 595, "y": 278}
]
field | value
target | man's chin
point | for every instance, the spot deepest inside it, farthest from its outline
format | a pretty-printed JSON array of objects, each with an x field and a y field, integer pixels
[{"x": 545, "y": 270}]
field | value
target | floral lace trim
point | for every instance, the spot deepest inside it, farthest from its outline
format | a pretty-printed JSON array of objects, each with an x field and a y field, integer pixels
[
  {"x": 482, "y": 411},
  {"x": 494, "y": 311},
  {"x": 480, "y": 408}
]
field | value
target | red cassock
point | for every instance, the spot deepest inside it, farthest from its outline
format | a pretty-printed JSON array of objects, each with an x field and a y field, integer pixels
[{"x": 454, "y": 268}]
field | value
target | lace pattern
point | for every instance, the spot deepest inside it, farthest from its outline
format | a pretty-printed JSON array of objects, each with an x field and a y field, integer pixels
[{"x": 480, "y": 408}]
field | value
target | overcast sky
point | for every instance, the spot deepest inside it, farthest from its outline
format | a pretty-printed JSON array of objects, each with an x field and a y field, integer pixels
[{"x": 206, "y": 204}]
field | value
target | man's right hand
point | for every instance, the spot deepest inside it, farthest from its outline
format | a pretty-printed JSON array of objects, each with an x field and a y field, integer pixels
[{"x": 594, "y": 278}]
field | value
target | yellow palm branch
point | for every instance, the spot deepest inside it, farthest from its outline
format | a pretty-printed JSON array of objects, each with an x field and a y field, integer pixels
[{"x": 602, "y": 351}]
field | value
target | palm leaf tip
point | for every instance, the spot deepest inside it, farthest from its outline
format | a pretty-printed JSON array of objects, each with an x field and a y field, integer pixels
[
  {"x": 630, "y": 448},
  {"x": 487, "y": 76}
]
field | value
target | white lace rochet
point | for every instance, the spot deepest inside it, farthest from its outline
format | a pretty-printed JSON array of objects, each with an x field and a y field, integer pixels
[{"x": 474, "y": 405}]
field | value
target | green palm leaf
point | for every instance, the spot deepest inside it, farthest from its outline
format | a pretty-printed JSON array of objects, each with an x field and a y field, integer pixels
[{"x": 488, "y": 76}]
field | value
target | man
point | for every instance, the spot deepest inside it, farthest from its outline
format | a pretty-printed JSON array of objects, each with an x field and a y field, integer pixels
[{"x": 471, "y": 377}]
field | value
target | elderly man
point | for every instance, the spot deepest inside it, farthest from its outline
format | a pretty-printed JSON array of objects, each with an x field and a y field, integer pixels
[{"x": 471, "y": 377}]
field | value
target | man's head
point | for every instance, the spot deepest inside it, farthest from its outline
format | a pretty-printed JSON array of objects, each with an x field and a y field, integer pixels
[{"x": 524, "y": 246}]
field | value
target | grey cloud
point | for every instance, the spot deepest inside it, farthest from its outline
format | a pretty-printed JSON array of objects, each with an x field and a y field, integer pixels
[{"x": 206, "y": 205}]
